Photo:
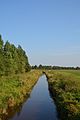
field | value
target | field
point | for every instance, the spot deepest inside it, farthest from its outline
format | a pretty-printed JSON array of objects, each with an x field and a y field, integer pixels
[
  {"x": 64, "y": 86},
  {"x": 13, "y": 89}
]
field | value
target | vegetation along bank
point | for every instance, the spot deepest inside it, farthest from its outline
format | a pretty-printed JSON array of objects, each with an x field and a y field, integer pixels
[
  {"x": 16, "y": 79},
  {"x": 64, "y": 86},
  {"x": 13, "y": 89}
]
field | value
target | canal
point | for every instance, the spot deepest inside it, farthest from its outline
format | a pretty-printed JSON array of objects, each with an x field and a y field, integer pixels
[{"x": 39, "y": 106}]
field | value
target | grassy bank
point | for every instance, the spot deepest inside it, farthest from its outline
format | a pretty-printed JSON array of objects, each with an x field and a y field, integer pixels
[
  {"x": 65, "y": 88},
  {"x": 13, "y": 89}
]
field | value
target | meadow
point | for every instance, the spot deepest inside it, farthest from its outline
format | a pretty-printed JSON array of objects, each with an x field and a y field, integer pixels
[{"x": 64, "y": 86}]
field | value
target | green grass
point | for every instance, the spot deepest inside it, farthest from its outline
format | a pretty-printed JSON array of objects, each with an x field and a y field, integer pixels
[
  {"x": 13, "y": 89},
  {"x": 65, "y": 88}
]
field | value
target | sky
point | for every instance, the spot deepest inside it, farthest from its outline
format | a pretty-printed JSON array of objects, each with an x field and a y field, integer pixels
[{"x": 48, "y": 30}]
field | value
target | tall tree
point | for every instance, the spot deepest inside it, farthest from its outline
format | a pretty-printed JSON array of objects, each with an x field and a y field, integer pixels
[
  {"x": 12, "y": 59},
  {"x": 1, "y": 57},
  {"x": 1, "y": 42},
  {"x": 8, "y": 59}
]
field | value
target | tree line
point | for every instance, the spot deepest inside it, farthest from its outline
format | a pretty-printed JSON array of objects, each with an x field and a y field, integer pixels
[
  {"x": 54, "y": 67},
  {"x": 13, "y": 60}
]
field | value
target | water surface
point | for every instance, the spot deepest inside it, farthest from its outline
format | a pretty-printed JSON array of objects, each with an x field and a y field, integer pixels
[{"x": 39, "y": 106}]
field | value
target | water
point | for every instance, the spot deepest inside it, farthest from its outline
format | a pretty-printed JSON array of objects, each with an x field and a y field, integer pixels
[{"x": 39, "y": 106}]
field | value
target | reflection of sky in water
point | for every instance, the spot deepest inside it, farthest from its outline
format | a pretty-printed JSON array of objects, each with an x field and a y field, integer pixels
[{"x": 39, "y": 106}]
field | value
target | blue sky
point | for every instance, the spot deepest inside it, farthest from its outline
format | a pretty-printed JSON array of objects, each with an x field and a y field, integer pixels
[{"x": 48, "y": 30}]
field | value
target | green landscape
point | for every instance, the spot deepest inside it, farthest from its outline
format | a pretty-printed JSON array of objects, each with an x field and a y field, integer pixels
[
  {"x": 39, "y": 59},
  {"x": 17, "y": 79},
  {"x": 64, "y": 86}
]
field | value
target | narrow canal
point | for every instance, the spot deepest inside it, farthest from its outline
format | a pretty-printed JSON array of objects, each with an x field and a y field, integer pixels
[{"x": 39, "y": 106}]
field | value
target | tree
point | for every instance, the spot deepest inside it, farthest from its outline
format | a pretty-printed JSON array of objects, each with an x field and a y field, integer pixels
[
  {"x": 23, "y": 64},
  {"x": 1, "y": 42},
  {"x": 8, "y": 59},
  {"x": 40, "y": 66},
  {"x": 1, "y": 57},
  {"x": 12, "y": 59}
]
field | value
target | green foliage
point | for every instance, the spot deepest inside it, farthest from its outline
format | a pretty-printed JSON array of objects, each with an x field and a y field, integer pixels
[
  {"x": 12, "y": 59},
  {"x": 13, "y": 90},
  {"x": 1, "y": 42},
  {"x": 49, "y": 67},
  {"x": 65, "y": 87}
]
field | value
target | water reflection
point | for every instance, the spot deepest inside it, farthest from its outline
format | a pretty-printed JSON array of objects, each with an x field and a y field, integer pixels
[
  {"x": 39, "y": 106},
  {"x": 15, "y": 110}
]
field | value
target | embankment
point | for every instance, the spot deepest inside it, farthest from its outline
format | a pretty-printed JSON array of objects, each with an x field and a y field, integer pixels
[
  {"x": 13, "y": 89},
  {"x": 65, "y": 89}
]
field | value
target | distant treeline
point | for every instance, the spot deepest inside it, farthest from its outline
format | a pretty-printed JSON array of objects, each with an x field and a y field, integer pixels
[
  {"x": 54, "y": 67},
  {"x": 13, "y": 59}
]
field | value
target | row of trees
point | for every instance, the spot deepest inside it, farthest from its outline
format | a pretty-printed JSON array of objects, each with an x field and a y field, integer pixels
[
  {"x": 54, "y": 67},
  {"x": 13, "y": 59}
]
